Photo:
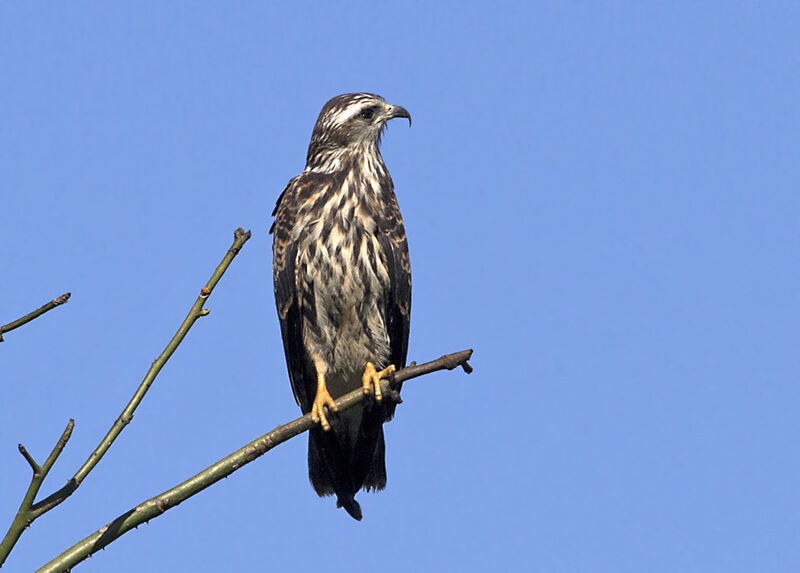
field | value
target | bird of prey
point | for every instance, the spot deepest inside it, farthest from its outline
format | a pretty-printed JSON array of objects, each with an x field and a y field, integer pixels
[{"x": 342, "y": 282}]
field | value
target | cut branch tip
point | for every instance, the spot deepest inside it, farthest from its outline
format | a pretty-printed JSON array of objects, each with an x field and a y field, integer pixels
[
  {"x": 35, "y": 314},
  {"x": 241, "y": 234},
  {"x": 62, "y": 299}
]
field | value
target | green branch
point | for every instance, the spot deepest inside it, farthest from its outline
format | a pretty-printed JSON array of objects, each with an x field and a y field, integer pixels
[
  {"x": 29, "y": 511},
  {"x": 24, "y": 518},
  {"x": 35, "y": 314},
  {"x": 159, "y": 504}
]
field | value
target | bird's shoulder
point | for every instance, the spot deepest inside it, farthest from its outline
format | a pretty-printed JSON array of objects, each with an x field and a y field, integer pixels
[{"x": 301, "y": 193}]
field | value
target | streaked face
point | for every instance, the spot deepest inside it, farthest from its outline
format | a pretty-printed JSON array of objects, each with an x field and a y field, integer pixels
[{"x": 351, "y": 120}]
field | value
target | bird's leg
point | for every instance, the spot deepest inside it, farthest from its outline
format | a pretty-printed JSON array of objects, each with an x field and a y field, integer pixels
[
  {"x": 322, "y": 399},
  {"x": 372, "y": 379}
]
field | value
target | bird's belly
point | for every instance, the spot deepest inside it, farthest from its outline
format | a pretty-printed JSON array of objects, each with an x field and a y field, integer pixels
[
  {"x": 346, "y": 328},
  {"x": 354, "y": 329}
]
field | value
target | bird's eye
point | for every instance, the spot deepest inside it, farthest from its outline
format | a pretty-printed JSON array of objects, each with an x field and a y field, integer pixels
[{"x": 367, "y": 113}]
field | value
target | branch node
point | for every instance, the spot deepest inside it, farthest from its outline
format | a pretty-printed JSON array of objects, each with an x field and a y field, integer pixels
[
  {"x": 204, "y": 292},
  {"x": 204, "y": 312}
]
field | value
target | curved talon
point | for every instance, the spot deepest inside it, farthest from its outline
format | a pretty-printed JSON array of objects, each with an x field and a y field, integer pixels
[
  {"x": 372, "y": 379},
  {"x": 322, "y": 399}
]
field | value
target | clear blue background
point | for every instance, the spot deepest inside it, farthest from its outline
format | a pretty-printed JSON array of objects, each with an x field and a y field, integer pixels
[{"x": 601, "y": 199}]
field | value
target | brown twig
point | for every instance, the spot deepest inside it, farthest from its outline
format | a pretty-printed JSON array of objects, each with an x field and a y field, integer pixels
[
  {"x": 58, "y": 301},
  {"x": 29, "y": 511},
  {"x": 157, "y": 505}
]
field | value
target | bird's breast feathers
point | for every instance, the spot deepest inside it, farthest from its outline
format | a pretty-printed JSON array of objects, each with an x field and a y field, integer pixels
[
  {"x": 339, "y": 248},
  {"x": 341, "y": 271}
]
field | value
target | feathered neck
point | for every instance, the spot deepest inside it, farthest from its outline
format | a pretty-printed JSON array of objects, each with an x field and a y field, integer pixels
[{"x": 331, "y": 159}]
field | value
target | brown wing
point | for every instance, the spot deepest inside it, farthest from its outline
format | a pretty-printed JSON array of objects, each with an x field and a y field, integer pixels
[
  {"x": 287, "y": 297},
  {"x": 398, "y": 304}
]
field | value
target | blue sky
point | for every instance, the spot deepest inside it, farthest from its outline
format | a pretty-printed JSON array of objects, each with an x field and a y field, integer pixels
[{"x": 601, "y": 199}]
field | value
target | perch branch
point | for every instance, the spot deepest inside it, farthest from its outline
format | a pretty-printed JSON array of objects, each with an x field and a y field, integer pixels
[
  {"x": 159, "y": 504},
  {"x": 30, "y": 511},
  {"x": 35, "y": 314}
]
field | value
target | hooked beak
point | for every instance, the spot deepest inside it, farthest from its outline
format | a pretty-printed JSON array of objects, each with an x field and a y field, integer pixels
[{"x": 393, "y": 111}]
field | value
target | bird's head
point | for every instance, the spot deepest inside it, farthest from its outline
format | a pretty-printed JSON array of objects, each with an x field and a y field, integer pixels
[{"x": 350, "y": 123}]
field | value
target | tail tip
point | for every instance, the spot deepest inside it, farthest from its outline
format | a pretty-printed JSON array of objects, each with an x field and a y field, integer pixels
[{"x": 351, "y": 506}]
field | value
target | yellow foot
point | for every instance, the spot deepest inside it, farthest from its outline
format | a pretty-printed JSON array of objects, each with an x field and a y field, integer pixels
[
  {"x": 322, "y": 399},
  {"x": 372, "y": 379}
]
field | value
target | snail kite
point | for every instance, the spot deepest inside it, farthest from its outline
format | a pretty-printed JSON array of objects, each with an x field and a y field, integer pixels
[{"x": 342, "y": 282}]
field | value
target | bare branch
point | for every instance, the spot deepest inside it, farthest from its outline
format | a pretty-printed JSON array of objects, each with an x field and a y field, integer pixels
[
  {"x": 35, "y": 314},
  {"x": 446, "y": 362},
  {"x": 24, "y": 518},
  {"x": 30, "y": 511},
  {"x": 157, "y": 505}
]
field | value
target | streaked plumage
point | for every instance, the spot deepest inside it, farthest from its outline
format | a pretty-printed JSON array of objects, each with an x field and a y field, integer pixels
[{"x": 343, "y": 288}]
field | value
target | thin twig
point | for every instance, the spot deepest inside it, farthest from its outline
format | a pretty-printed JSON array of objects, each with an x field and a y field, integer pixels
[
  {"x": 35, "y": 314},
  {"x": 155, "y": 506},
  {"x": 29, "y": 458},
  {"x": 30, "y": 511}
]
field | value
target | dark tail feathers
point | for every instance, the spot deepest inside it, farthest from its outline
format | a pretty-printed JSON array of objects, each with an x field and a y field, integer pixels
[
  {"x": 351, "y": 506},
  {"x": 338, "y": 466}
]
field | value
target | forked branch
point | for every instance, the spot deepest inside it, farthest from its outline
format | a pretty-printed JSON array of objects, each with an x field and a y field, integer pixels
[
  {"x": 157, "y": 505},
  {"x": 29, "y": 509}
]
